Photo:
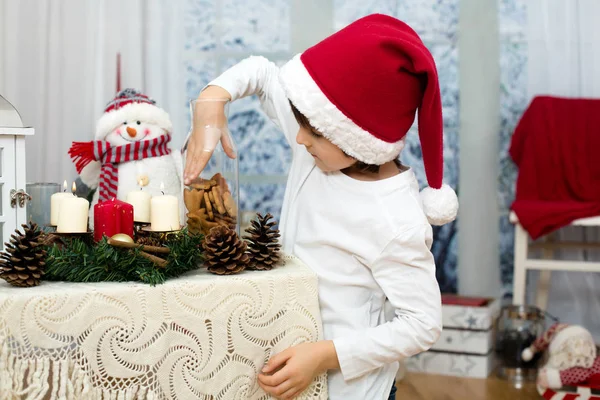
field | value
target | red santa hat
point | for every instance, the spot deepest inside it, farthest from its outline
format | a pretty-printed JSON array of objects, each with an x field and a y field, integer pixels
[
  {"x": 553, "y": 339},
  {"x": 131, "y": 105},
  {"x": 361, "y": 88},
  {"x": 542, "y": 342}
]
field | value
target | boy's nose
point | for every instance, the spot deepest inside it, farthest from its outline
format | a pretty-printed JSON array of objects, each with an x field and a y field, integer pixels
[{"x": 301, "y": 138}]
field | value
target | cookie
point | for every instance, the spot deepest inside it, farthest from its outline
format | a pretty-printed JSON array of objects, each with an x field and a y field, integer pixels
[
  {"x": 194, "y": 220},
  {"x": 209, "y": 209},
  {"x": 200, "y": 198},
  {"x": 218, "y": 199},
  {"x": 207, "y": 225},
  {"x": 226, "y": 218},
  {"x": 203, "y": 184},
  {"x": 221, "y": 182},
  {"x": 229, "y": 204},
  {"x": 192, "y": 199}
]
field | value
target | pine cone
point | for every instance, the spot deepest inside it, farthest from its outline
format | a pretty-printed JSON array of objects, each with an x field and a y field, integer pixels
[
  {"x": 263, "y": 244},
  {"x": 23, "y": 261},
  {"x": 224, "y": 251},
  {"x": 149, "y": 241},
  {"x": 50, "y": 239}
]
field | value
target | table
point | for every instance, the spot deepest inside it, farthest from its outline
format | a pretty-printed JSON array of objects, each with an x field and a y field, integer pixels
[{"x": 199, "y": 336}]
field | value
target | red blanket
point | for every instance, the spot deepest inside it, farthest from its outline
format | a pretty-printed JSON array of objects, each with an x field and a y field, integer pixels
[{"x": 556, "y": 147}]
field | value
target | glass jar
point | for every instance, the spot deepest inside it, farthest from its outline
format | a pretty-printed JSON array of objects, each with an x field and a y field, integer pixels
[
  {"x": 38, "y": 206},
  {"x": 212, "y": 198},
  {"x": 518, "y": 327}
]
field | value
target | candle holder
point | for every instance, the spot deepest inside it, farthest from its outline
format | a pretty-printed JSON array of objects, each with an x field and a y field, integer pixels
[
  {"x": 160, "y": 235},
  {"x": 518, "y": 327},
  {"x": 138, "y": 226},
  {"x": 87, "y": 237},
  {"x": 73, "y": 234},
  {"x": 38, "y": 206},
  {"x": 148, "y": 228}
]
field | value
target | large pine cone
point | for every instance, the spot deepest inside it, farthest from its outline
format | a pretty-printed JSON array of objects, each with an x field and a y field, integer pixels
[
  {"x": 224, "y": 251},
  {"x": 263, "y": 243},
  {"x": 23, "y": 261}
]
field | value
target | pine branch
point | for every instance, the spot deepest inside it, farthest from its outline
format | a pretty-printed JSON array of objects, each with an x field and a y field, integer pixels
[
  {"x": 78, "y": 261},
  {"x": 186, "y": 253}
]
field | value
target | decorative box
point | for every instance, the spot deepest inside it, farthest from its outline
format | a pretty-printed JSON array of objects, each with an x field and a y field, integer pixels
[
  {"x": 474, "y": 313},
  {"x": 466, "y": 345},
  {"x": 465, "y": 341},
  {"x": 455, "y": 364}
]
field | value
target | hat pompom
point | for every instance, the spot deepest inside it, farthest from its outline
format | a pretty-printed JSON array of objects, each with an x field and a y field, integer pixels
[
  {"x": 527, "y": 354},
  {"x": 440, "y": 205}
]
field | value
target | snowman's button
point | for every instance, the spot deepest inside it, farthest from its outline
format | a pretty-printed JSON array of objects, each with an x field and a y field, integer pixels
[{"x": 143, "y": 180}]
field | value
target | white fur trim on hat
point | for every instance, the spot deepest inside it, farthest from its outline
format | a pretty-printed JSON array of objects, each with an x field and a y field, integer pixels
[
  {"x": 574, "y": 346},
  {"x": 324, "y": 116},
  {"x": 145, "y": 112},
  {"x": 566, "y": 333},
  {"x": 440, "y": 205},
  {"x": 553, "y": 378}
]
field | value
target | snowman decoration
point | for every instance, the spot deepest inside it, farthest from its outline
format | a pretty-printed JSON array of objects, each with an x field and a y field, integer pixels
[{"x": 131, "y": 152}]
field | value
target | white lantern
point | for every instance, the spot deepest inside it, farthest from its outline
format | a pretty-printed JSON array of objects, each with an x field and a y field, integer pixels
[{"x": 13, "y": 197}]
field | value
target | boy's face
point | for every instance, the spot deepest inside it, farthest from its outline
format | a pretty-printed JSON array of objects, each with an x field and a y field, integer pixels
[{"x": 328, "y": 156}]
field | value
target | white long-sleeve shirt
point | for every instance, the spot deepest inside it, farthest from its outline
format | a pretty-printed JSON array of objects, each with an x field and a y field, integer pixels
[{"x": 368, "y": 243}]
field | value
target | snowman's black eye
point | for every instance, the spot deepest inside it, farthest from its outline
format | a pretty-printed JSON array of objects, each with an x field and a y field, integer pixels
[
  {"x": 125, "y": 123},
  {"x": 139, "y": 123}
]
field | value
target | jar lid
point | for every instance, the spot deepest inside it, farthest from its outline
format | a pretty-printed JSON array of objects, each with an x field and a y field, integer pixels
[{"x": 524, "y": 312}]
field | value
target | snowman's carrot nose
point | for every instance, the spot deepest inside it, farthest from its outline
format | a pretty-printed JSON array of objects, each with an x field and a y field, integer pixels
[{"x": 131, "y": 131}]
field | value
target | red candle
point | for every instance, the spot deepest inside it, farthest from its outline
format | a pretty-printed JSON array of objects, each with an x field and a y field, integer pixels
[{"x": 112, "y": 217}]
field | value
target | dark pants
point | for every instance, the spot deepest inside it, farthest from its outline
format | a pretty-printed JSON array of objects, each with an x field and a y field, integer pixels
[{"x": 393, "y": 392}]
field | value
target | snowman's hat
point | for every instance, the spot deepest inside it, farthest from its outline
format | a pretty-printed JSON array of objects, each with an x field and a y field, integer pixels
[{"x": 131, "y": 105}]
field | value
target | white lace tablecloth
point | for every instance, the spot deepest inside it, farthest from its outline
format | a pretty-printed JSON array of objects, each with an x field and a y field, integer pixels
[{"x": 199, "y": 336}]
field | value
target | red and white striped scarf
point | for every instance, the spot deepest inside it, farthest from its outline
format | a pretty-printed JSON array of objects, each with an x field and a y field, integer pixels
[{"x": 82, "y": 153}]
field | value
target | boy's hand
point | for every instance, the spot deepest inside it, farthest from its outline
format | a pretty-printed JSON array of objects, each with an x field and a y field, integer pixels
[
  {"x": 295, "y": 368},
  {"x": 209, "y": 127}
]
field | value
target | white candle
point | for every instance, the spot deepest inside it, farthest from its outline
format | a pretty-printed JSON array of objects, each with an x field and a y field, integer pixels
[
  {"x": 73, "y": 215},
  {"x": 164, "y": 212},
  {"x": 140, "y": 200},
  {"x": 55, "y": 201}
]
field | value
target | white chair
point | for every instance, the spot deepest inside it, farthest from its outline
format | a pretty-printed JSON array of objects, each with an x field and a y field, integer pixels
[{"x": 548, "y": 244}]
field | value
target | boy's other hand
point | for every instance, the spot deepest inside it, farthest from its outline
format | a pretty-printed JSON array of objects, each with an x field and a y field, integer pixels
[{"x": 294, "y": 369}]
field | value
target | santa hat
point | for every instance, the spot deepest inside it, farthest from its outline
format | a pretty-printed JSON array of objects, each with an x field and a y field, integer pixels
[
  {"x": 542, "y": 342},
  {"x": 555, "y": 337},
  {"x": 131, "y": 105},
  {"x": 361, "y": 88}
]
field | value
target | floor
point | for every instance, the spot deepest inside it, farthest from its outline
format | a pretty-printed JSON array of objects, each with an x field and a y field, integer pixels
[{"x": 435, "y": 387}]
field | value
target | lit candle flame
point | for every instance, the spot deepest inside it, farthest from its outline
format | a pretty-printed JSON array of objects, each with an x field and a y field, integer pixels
[
  {"x": 74, "y": 188},
  {"x": 65, "y": 186},
  {"x": 141, "y": 183}
]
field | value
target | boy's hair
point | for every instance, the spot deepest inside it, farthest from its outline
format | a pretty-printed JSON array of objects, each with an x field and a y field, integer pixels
[{"x": 305, "y": 123}]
